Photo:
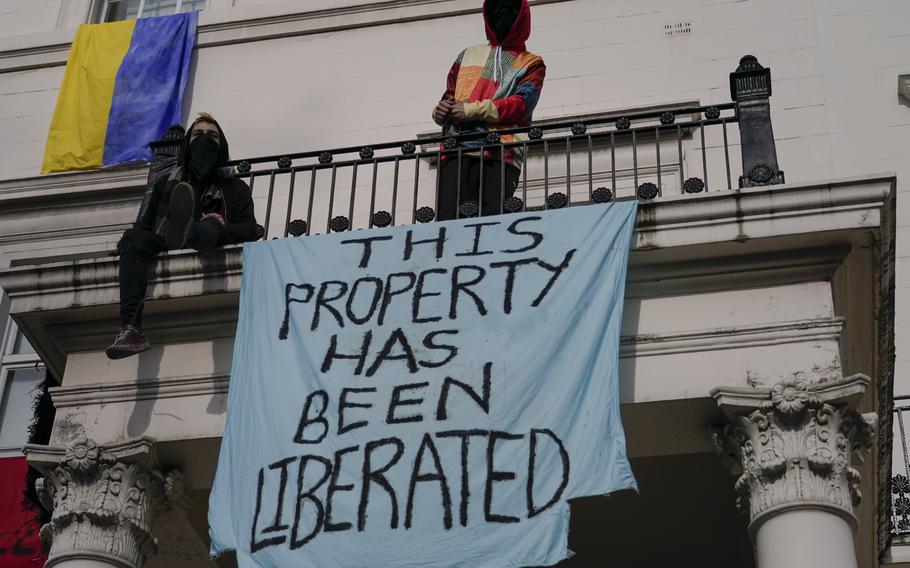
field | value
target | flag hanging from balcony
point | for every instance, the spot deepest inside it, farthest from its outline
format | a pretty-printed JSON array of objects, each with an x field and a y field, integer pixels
[
  {"x": 123, "y": 87},
  {"x": 427, "y": 395}
]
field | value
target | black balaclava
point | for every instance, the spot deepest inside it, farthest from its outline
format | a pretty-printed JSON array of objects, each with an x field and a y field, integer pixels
[
  {"x": 504, "y": 13},
  {"x": 203, "y": 156}
]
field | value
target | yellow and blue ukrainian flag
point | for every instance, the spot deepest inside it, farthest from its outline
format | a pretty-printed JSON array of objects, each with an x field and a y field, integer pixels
[{"x": 123, "y": 88}]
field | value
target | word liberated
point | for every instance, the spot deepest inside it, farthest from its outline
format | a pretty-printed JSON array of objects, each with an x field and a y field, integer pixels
[{"x": 316, "y": 485}]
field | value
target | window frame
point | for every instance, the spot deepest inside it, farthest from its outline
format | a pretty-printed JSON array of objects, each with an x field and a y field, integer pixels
[
  {"x": 10, "y": 362},
  {"x": 6, "y": 373},
  {"x": 102, "y": 5}
]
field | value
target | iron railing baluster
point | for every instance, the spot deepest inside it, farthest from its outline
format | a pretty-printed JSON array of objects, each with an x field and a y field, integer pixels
[
  {"x": 287, "y": 219},
  {"x": 438, "y": 178},
  {"x": 546, "y": 174},
  {"x": 568, "y": 170},
  {"x": 590, "y": 170},
  {"x": 480, "y": 183},
  {"x": 309, "y": 207},
  {"x": 416, "y": 187},
  {"x": 458, "y": 186},
  {"x": 328, "y": 221},
  {"x": 682, "y": 174},
  {"x": 502, "y": 177},
  {"x": 268, "y": 205},
  {"x": 657, "y": 149},
  {"x": 704, "y": 154},
  {"x": 727, "y": 155},
  {"x": 353, "y": 190},
  {"x": 373, "y": 192},
  {"x": 524, "y": 176},
  {"x": 613, "y": 162},
  {"x": 395, "y": 191}
]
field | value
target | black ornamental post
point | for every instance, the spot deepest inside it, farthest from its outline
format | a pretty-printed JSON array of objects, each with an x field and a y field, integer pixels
[
  {"x": 750, "y": 88},
  {"x": 165, "y": 155}
]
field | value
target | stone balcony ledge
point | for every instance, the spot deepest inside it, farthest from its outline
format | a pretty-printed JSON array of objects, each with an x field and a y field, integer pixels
[{"x": 761, "y": 235}]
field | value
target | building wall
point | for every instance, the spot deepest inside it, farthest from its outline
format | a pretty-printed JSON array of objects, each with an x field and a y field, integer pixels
[
  {"x": 835, "y": 64},
  {"x": 303, "y": 82}
]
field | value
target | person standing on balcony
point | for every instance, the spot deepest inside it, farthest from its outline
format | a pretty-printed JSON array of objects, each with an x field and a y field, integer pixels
[
  {"x": 198, "y": 205},
  {"x": 494, "y": 86}
]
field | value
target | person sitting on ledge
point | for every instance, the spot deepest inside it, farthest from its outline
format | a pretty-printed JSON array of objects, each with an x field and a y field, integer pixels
[{"x": 197, "y": 205}]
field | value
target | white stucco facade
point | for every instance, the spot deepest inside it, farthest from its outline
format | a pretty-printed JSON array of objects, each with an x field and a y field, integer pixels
[
  {"x": 836, "y": 106},
  {"x": 727, "y": 290}
]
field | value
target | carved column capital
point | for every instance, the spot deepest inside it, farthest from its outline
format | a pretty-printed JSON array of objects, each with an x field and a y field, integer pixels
[
  {"x": 791, "y": 445},
  {"x": 103, "y": 499}
]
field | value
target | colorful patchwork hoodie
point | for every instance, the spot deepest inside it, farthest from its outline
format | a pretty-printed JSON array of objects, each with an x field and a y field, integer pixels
[{"x": 499, "y": 83}]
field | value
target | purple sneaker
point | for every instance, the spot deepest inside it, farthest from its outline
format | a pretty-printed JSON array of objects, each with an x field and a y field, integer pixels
[
  {"x": 180, "y": 215},
  {"x": 130, "y": 341}
]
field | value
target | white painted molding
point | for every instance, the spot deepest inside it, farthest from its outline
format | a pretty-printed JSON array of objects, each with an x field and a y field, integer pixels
[
  {"x": 55, "y": 186},
  {"x": 144, "y": 389},
  {"x": 149, "y": 388},
  {"x": 823, "y": 329},
  {"x": 253, "y": 23},
  {"x": 897, "y": 553}
]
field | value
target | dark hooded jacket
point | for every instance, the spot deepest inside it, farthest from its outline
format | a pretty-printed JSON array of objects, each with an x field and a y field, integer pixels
[
  {"x": 499, "y": 82},
  {"x": 237, "y": 199}
]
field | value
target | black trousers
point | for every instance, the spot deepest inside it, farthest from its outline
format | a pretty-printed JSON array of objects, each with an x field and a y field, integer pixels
[
  {"x": 495, "y": 193},
  {"x": 137, "y": 249}
]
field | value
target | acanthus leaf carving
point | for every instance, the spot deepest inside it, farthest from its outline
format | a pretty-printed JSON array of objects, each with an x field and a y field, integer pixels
[
  {"x": 103, "y": 500},
  {"x": 794, "y": 443}
]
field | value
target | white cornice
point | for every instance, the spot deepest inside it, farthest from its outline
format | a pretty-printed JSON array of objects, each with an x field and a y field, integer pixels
[
  {"x": 252, "y": 23},
  {"x": 823, "y": 329},
  {"x": 667, "y": 222},
  {"x": 62, "y": 182},
  {"x": 70, "y": 186},
  {"x": 144, "y": 389}
]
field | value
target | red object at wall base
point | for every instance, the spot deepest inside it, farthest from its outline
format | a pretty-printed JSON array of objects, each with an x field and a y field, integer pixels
[{"x": 20, "y": 545}]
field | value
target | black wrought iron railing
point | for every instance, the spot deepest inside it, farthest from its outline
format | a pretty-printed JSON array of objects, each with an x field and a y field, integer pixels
[
  {"x": 568, "y": 164},
  {"x": 644, "y": 155},
  {"x": 900, "y": 479}
]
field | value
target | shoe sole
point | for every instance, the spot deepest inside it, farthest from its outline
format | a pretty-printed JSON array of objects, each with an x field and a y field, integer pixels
[
  {"x": 114, "y": 353},
  {"x": 180, "y": 213}
]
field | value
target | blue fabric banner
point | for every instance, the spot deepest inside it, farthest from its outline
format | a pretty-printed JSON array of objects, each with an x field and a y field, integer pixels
[
  {"x": 148, "y": 91},
  {"x": 427, "y": 395}
]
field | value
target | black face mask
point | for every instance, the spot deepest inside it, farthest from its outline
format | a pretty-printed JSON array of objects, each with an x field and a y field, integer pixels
[
  {"x": 203, "y": 156},
  {"x": 504, "y": 14}
]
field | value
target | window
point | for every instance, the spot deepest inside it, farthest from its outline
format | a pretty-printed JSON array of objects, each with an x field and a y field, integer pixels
[
  {"x": 21, "y": 371},
  {"x": 116, "y": 10},
  {"x": 21, "y": 346},
  {"x": 19, "y": 390}
]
